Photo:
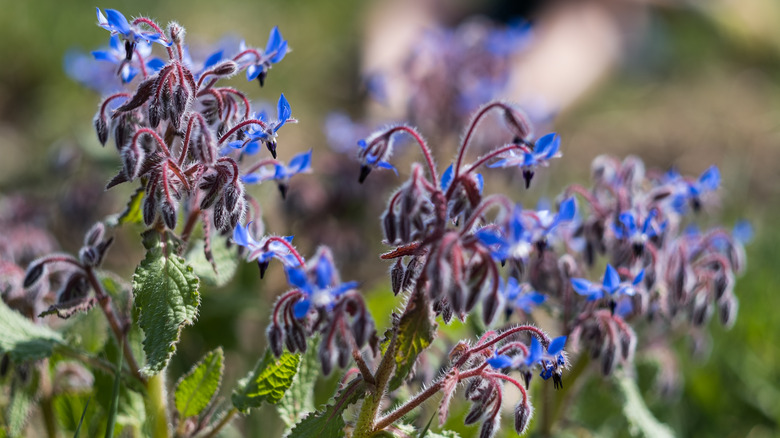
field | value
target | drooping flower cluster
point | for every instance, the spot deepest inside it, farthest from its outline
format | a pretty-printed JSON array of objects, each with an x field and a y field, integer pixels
[{"x": 181, "y": 134}]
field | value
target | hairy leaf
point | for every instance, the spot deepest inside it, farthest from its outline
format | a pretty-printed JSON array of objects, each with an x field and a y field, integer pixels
[
  {"x": 22, "y": 339},
  {"x": 166, "y": 299},
  {"x": 329, "y": 423},
  {"x": 416, "y": 331},
  {"x": 641, "y": 420},
  {"x": 299, "y": 399},
  {"x": 226, "y": 260},
  {"x": 268, "y": 382},
  {"x": 133, "y": 212},
  {"x": 196, "y": 389}
]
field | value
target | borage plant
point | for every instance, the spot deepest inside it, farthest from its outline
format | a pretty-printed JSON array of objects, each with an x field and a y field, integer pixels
[{"x": 188, "y": 144}]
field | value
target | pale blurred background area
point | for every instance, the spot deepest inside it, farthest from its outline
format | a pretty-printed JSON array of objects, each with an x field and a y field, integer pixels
[{"x": 683, "y": 84}]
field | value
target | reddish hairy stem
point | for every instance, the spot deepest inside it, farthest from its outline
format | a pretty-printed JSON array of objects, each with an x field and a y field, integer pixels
[
  {"x": 494, "y": 153},
  {"x": 289, "y": 247},
  {"x": 423, "y": 146},
  {"x": 470, "y": 132},
  {"x": 110, "y": 98},
  {"x": 239, "y": 126},
  {"x": 156, "y": 137}
]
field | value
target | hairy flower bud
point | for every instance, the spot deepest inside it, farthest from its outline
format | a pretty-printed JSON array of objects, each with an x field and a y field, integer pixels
[
  {"x": 326, "y": 358},
  {"x": 608, "y": 358},
  {"x": 490, "y": 427},
  {"x": 518, "y": 124},
  {"x": 168, "y": 212},
  {"x": 490, "y": 307},
  {"x": 397, "y": 276},
  {"x": 275, "y": 341},
  {"x": 95, "y": 234},
  {"x": 101, "y": 127},
  {"x": 523, "y": 413},
  {"x": 727, "y": 310}
]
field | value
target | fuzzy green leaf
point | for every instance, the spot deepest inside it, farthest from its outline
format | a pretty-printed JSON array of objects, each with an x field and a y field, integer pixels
[
  {"x": 226, "y": 260},
  {"x": 416, "y": 331},
  {"x": 166, "y": 297},
  {"x": 133, "y": 212},
  {"x": 299, "y": 398},
  {"x": 196, "y": 389},
  {"x": 22, "y": 339},
  {"x": 329, "y": 422},
  {"x": 268, "y": 382},
  {"x": 641, "y": 421}
]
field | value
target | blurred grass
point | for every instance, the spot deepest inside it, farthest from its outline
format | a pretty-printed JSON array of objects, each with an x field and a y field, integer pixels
[{"x": 695, "y": 95}]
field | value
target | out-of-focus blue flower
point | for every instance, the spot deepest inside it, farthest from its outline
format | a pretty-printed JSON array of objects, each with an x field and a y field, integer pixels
[
  {"x": 263, "y": 250},
  {"x": 319, "y": 282},
  {"x": 275, "y": 50},
  {"x": 545, "y": 149},
  {"x": 255, "y": 134},
  {"x": 519, "y": 297},
  {"x": 743, "y": 232},
  {"x": 611, "y": 285},
  {"x": 508, "y": 40},
  {"x": 499, "y": 361},
  {"x": 545, "y": 223},
  {"x": 115, "y": 54},
  {"x": 446, "y": 179},
  {"x": 628, "y": 229},
  {"x": 373, "y": 160},
  {"x": 514, "y": 242},
  {"x": 117, "y": 24},
  {"x": 300, "y": 163}
]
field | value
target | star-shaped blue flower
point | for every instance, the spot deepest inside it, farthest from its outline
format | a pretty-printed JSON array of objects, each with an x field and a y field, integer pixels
[
  {"x": 117, "y": 24},
  {"x": 319, "y": 291},
  {"x": 115, "y": 54},
  {"x": 611, "y": 285},
  {"x": 257, "y": 134},
  {"x": 300, "y": 163}
]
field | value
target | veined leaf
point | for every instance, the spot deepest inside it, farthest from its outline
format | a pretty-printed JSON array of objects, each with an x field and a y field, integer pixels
[
  {"x": 22, "y": 339},
  {"x": 329, "y": 423},
  {"x": 268, "y": 382},
  {"x": 299, "y": 398},
  {"x": 416, "y": 331},
  {"x": 225, "y": 258},
  {"x": 133, "y": 213},
  {"x": 166, "y": 298},
  {"x": 196, "y": 389}
]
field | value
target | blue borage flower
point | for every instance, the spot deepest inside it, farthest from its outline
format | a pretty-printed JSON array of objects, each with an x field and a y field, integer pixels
[
  {"x": 117, "y": 24},
  {"x": 263, "y": 250},
  {"x": 551, "y": 360},
  {"x": 513, "y": 242},
  {"x": 545, "y": 149},
  {"x": 115, "y": 54},
  {"x": 320, "y": 284},
  {"x": 520, "y": 296},
  {"x": 446, "y": 179},
  {"x": 544, "y": 223},
  {"x": 256, "y": 134},
  {"x": 611, "y": 285},
  {"x": 275, "y": 50},
  {"x": 627, "y": 227},
  {"x": 691, "y": 191},
  {"x": 371, "y": 159},
  {"x": 300, "y": 163}
]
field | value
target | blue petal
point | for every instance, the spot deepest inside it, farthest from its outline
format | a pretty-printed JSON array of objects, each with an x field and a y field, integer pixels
[
  {"x": 499, "y": 361},
  {"x": 489, "y": 237},
  {"x": 213, "y": 59},
  {"x": 516, "y": 224},
  {"x": 628, "y": 220},
  {"x": 543, "y": 144},
  {"x": 251, "y": 178},
  {"x": 116, "y": 44},
  {"x": 446, "y": 178},
  {"x": 344, "y": 287},
  {"x": 362, "y": 143},
  {"x": 582, "y": 286},
  {"x": 252, "y": 148},
  {"x": 240, "y": 235},
  {"x": 480, "y": 182},
  {"x": 296, "y": 276},
  {"x": 155, "y": 64},
  {"x": 499, "y": 163},
  {"x": 252, "y": 72},
  {"x": 534, "y": 352},
  {"x": 611, "y": 279},
  {"x": 301, "y": 162},
  {"x": 324, "y": 272},
  {"x": 567, "y": 210},
  {"x": 386, "y": 165},
  {"x": 556, "y": 345},
  {"x": 301, "y": 308},
  {"x": 743, "y": 231},
  {"x": 118, "y": 21},
  {"x": 639, "y": 277},
  {"x": 104, "y": 55},
  {"x": 280, "y": 53},
  {"x": 283, "y": 109},
  {"x": 710, "y": 179},
  {"x": 274, "y": 40}
]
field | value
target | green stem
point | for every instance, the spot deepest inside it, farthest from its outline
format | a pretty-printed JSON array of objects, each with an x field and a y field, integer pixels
[
  {"x": 368, "y": 411},
  {"x": 156, "y": 404},
  {"x": 224, "y": 421},
  {"x": 552, "y": 411}
]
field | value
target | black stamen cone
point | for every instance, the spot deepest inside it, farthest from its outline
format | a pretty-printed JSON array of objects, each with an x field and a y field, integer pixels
[
  {"x": 283, "y": 190},
  {"x": 527, "y": 176},
  {"x": 129, "y": 49},
  {"x": 261, "y": 78},
  {"x": 364, "y": 171},
  {"x": 271, "y": 145},
  {"x": 263, "y": 267}
]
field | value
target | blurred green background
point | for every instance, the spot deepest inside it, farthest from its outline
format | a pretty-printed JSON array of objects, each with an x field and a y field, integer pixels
[{"x": 700, "y": 87}]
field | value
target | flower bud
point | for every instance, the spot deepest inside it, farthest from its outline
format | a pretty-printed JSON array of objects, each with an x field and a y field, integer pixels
[
  {"x": 608, "y": 357},
  {"x": 490, "y": 307},
  {"x": 101, "y": 127},
  {"x": 299, "y": 337},
  {"x": 275, "y": 341},
  {"x": 489, "y": 427},
  {"x": 518, "y": 124},
  {"x": 168, "y": 212},
  {"x": 523, "y": 413},
  {"x": 326, "y": 358},
  {"x": 88, "y": 256},
  {"x": 34, "y": 273},
  {"x": 95, "y": 234},
  {"x": 149, "y": 210},
  {"x": 475, "y": 414},
  {"x": 727, "y": 310},
  {"x": 225, "y": 68},
  {"x": 397, "y": 276}
]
